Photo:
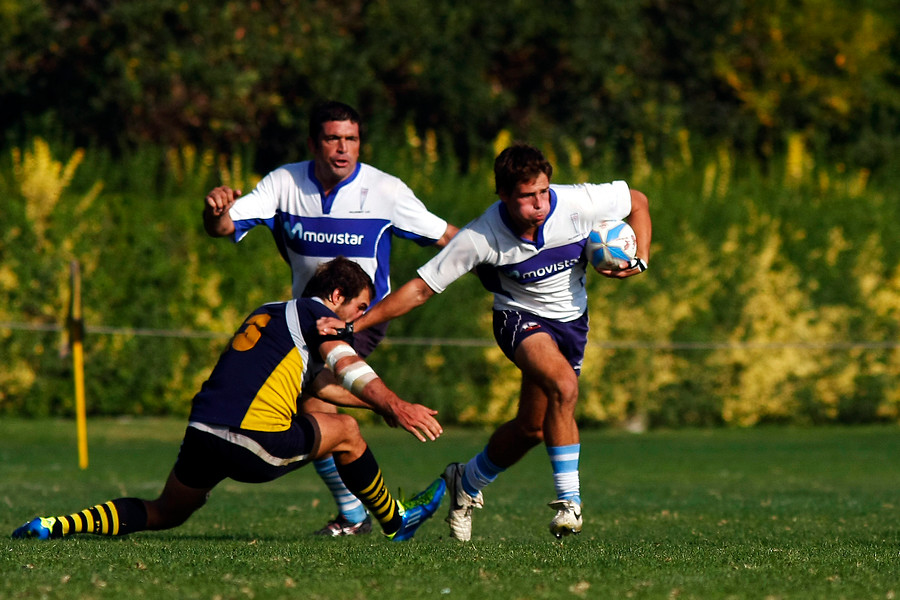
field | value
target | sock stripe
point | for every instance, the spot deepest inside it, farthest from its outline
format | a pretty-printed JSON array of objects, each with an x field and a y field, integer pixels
[
  {"x": 376, "y": 483},
  {"x": 380, "y": 504},
  {"x": 564, "y": 461},
  {"x": 83, "y": 522},
  {"x": 115, "y": 513},
  {"x": 103, "y": 519},
  {"x": 380, "y": 500},
  {"x": 113, "y": 528}
]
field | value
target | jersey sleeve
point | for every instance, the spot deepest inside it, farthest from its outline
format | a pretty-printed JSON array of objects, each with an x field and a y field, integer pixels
[
  {"x": 412, "y": 220},
  {"x": 309, "y": 311},
  {"x": 466, "y": 250},
  {"x": 608, "y": 201},
  {"x": 259, "y": 207}
]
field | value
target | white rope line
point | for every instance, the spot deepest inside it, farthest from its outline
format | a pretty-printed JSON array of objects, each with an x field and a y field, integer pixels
[{"x": 486, "y": 343}]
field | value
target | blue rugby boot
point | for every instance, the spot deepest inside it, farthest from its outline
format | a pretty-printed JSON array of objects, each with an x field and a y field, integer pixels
[
  {"x": 419, "y": 509},
  {"x": 39, "y": 527}
]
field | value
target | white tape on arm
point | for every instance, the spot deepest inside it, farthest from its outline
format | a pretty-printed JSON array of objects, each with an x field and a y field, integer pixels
[
  {"x": 354, "y": 377},
  {"x": 337, "y": 353}
]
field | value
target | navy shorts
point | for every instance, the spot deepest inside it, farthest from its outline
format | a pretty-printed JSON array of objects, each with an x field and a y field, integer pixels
[
  {"x": 211, "y": 453},
  {"x": 511, "y": 327}
]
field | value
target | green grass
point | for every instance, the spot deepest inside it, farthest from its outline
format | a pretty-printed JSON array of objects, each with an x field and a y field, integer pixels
[{"x": 762, "y": 513}]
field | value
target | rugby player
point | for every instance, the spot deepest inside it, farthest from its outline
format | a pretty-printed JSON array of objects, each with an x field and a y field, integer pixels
[
  {"x": 244, "y": 423},
  {"x": 527, "y": 249}
]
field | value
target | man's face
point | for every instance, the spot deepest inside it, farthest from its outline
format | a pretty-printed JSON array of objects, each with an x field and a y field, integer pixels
[
  {"x": 336, "y": 151},
  {"x": 529, "y": 204},
  {"x": 352, "y": 309}
]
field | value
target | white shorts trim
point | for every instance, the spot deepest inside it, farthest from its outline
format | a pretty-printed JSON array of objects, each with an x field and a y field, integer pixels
[{"x": 232, "y": 437}]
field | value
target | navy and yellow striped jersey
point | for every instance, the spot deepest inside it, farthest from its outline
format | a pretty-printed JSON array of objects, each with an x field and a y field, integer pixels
[{"x": 258, "y": 379}]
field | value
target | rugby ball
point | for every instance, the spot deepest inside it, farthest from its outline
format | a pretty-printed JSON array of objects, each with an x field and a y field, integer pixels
[{"x": 610, "y": 243}]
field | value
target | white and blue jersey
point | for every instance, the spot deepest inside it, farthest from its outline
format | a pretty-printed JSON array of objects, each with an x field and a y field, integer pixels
[
  {"x": 357, "y": 219},
  {"x": 545, "y": 277}
]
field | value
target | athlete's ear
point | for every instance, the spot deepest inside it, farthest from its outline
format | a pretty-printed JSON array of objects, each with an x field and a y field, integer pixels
[{"x": 337, "y": 297}]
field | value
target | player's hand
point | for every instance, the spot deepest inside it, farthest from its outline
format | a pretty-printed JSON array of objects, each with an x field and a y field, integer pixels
[
  {"x": 329, "y": 325},
  {"x": 626, "y": 269},
  {"x": 220, "y": 199},
  {"x": 417, "y": 419}
]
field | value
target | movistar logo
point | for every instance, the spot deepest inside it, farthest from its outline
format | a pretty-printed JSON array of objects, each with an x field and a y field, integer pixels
[
  {"x": 322, "y": 237},
  {"x": 546, "y": 271}
]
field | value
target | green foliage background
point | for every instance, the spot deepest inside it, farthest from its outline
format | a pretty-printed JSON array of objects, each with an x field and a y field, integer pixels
[
  {"x": 770, "y": 297},
  {"x": 765, "y": 135},
  {"x": 602, "y": 74}
]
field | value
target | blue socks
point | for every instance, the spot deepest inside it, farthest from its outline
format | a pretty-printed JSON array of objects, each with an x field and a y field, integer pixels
[
  {"x": 564, "y": 460},
  {"x": 348, "y": 504},
  {"x": 480, "y": 471}
]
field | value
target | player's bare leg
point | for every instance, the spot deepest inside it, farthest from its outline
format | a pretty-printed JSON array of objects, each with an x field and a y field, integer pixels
[
  {"x": 547, "y": 401},
  {"x": 175, "y": 504},
  {"x": 546, "y": 413},
  {"x": 546, "y": 368}
]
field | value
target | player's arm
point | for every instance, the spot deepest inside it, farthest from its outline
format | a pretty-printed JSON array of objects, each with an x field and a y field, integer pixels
[
  {"x": 328, "y": 388},
  {"x": 361, "y": 380},
  {"x": 640, "y": 222},
  {"x": 451, "y": 231},
  {"x": 414, "y": 292},
  {"x": 216, "y": 220}
]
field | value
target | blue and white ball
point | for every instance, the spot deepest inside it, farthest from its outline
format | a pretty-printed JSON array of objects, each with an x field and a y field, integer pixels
[{"x": 609, "y": 244}]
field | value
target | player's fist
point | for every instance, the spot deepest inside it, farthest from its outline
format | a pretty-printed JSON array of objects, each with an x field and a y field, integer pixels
[
  {"x": 329, "y": 325},
  {"x": 220, "y": 199}
]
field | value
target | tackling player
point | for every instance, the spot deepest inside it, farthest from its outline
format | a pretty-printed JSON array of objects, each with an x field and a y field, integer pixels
[
  {"x": 244, "y": 423},
  {"x": 528, "y": 250}
]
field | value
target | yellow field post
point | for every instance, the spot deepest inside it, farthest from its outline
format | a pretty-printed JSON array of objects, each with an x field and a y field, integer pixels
[{"x": 76, "y": 337}]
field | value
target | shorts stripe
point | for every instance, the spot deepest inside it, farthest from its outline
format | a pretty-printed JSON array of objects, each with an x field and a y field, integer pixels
[
  {"x": 511, "y": 327},
  {"x": 225, "y": 433}
]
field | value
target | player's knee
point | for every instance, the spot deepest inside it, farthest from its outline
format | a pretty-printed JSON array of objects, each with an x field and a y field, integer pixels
[
  {"x": 564, "y": 393},
  {"x": 349, "y": 426},
  {"x": 350, "y": 435}
]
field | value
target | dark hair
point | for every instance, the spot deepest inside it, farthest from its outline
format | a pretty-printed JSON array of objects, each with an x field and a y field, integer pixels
[
  {"x": 330, "y": 110},
  {"x": 342, "y": 274},
  {"x": 517, "y": 164}
]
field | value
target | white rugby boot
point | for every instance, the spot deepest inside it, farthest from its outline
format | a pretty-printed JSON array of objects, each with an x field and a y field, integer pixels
[
  {"x": 567, "y": 520},
  {"x": 461, "y": 503}
]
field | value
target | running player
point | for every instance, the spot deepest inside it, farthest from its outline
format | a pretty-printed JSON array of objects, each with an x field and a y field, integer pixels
[
  {"x": 244, "y": 423},
  {"x": 528, "y": 250}
]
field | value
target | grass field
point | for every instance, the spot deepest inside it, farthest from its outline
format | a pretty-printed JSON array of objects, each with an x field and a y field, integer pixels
[{"x": 761, "y": 513}]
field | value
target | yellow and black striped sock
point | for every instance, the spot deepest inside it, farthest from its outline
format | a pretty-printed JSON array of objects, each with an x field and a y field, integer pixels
[
  {"x": 116, "y": 517},
  {"x": 363, "y": 478}
]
